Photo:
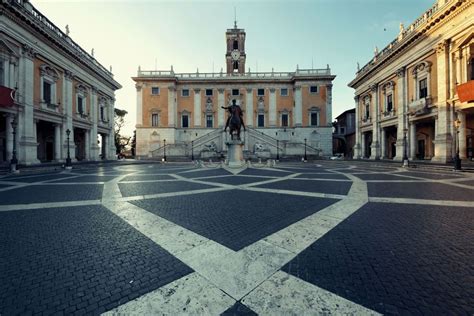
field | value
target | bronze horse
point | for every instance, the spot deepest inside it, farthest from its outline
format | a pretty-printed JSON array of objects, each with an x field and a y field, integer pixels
[{"x": 235, "y": 121}]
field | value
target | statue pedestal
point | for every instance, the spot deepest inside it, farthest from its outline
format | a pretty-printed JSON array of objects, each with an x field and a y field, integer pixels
[{"x": 235, "y": 153}]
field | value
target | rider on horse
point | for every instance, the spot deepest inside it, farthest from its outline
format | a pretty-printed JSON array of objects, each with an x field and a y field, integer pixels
[{"x": 234, "y": 108}]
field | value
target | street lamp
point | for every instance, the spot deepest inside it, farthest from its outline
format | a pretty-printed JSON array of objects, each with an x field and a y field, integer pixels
[
  {"x": 305, "y": 158},
  {"x": 14, "y": 161},
  {"x": 164, "y": 150},
  {"x": 68, "y": 159},
  {"x": 278, "y": 150},
  {"x": 405, "y": 151},
  {"x": 192, "y": 150},
  {"x": 457, "y": 160}
]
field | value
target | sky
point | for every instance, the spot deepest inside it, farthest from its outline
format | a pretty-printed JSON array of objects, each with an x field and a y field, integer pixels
[{"x": 190, "y": 35}]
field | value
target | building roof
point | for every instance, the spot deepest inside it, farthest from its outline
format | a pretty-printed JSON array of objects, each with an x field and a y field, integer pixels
[{"x": 345, "y": 112}]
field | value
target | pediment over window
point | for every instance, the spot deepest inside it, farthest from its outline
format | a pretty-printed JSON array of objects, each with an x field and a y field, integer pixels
[
  {"x": 388, "y": 85},
  {"x": 260, "y": 103},
  {"x": 424, "y": 66},
  {"x": 80, "y": 88},
  {"x": 154, "y": 110},
  {"x": 48, "y": 71},
  {"x": 467, "y": 40},
  {"x": 8, "y": 49},
  {"x": 314, "y": 109}
]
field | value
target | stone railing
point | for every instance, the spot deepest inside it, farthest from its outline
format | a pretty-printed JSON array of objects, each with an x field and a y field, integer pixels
[
  {"x": 389, "y": 114},
  {"x": 420, "y": 106},
  {"x": 46, "y": 25},
  {"x": 247, "y": 75},
  {"x": 404, "y": 33},
  {"x": 366, "y": 121}
]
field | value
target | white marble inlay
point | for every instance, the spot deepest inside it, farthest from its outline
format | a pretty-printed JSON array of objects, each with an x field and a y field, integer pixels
[{"x": 284, "y": 294}]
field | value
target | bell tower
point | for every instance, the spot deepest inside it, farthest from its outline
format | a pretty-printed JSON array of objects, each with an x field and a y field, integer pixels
[{"x": 235, "y": 55}]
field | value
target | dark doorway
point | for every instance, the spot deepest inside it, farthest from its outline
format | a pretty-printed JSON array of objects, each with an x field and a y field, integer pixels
[
  {"x": 49, "y": 151},
  {"x": 394, "y": 150},
  {"x": 421, "y": 149}
]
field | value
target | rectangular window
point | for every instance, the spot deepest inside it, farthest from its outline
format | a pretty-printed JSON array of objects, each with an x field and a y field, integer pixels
[
  {"x": 389, "y": 103},
  {"x": 343, "y": 130},
  {"x": 209, "y": 121},
  {"x": 208, "y": 92},
  {"x": 46, "y": 92},
  {"x": 235, "y": 92},
  {"x": 313, "y": 89},
  {"x": 185, "y": 121},
  {"x": 284, "y": 120},
  {"x": 284, "y": 92},
  {"x": 261, "y": 120},
  {"x": 423, "y": 88},
  {"x": 102, "y": 118},
  {"x": 80, "y": 105},
  {"x": 185, "y": 93},
  {"x": 154, "y": 119},
  {"x": 314, "y": 119},
  {"x": 260, "y": 92},
  {"x": 155, "y": 90},
  {"x": 367, "y": 111}
]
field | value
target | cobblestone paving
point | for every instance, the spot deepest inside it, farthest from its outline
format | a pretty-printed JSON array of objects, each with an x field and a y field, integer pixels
[{"x": 302, "y": 238}]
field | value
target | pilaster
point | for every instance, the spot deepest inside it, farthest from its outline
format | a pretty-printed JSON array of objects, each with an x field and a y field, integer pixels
[
  {"x": 249, "y": 109},
  {"x": 401, "y": 112},
  {"x": 139, "y": 119},
  {"x": 197, "y": 108},
  {"x": 375, "y": 147},
  {"x": 329, "y": 105},
  {"x": 172, "y": 108},
  {"x": 462, "y": 135},
  {"x": 272, "y": 108},
  {"x": 357, "y": 145},
  {"x": 9, "y": 135},
  {"x": 220, "y": 110},
  {"x": 298, "y": 107}
]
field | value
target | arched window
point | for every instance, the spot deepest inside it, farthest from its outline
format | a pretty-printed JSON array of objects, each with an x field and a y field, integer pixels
[{"x": 236, "y": 65}]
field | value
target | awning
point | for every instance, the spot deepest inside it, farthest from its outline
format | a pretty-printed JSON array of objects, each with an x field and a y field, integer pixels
[
  {"x": 7, "y": 96},
  {"x": 466, "y": 91}
]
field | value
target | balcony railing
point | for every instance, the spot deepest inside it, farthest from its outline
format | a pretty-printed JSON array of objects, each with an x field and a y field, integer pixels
[
  {"x": 411, "y": 29},
  {"x": 247, "y": 75},
  {"x": 45, "y": 24},
  {"x": 420, "y": 106}
]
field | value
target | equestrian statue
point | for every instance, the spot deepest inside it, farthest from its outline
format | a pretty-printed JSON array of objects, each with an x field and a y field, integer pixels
[{"x": 235, "y": 120}]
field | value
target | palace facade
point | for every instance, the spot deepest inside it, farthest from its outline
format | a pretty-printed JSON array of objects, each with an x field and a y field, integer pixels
[
  {"x": 49, "y": 85},
  {"x": 282, "y": 110},
  {"x": 419, "y": 90}
]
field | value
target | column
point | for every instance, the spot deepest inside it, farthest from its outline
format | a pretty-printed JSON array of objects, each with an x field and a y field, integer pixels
[
  {"x": 462, "y": 135},
  {"x": 111, "y": 134},
  {"x": 272, "y": 115},
  {"x": 249, "y": 108},
  {"x": 94, "y": 147},
  {"x": 363, "y": 146},
  {"x": 26, "y": 133},
  {"x": 139, "y": 119},
  {"x": 67, "y": 125},
  {"x": 375, "y": 147},
  {"x": 9, "y": 135},
  {"x": 383, "y": 149},
  {"x": 401, "y": 112},
  {"x": 357, "y": 145},
  {"x": 412, "y": 141},
  {"x": 298, "y": 115},
  {"x": 87, "y": 153},
  {"x": 443, "y": 139},
  {"x": 57, "y": 142},
  {"x": 12, "y": 73},
  {"x": 220, "y": 110},
  {"x": 329, "y": 105},
  {"x": 172, "y": 109},
  {"x": 197, "y": 108}
]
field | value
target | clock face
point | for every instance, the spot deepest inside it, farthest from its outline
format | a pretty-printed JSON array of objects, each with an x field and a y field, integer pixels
[{"x": 235, "y": 54}]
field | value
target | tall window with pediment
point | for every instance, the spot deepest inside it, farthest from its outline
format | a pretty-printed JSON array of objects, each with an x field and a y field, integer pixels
[
  {"x": 366, "y": 108},
  {"x": 48, "y": 79},
  {"x": 154, "y": 119},
  {"x": 313, "y": 116},
  {"x": 81, "y": 96},
  {"x": 422, "y": 78}
]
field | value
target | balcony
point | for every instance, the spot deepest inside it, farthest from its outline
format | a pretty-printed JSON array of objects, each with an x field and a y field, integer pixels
[
  {"x": 420, "y": 106},
  {"x": 389, "y": 114},
  {"x": 366, "y": 121},
  {"x": 466, "y": 91}
]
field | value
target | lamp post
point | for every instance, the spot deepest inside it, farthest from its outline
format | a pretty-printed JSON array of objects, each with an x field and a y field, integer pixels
[
  {"x": 14, "y": 160},
  {"x": 68, "y": 159},
  {"x": 405, "y": 152},
  {"x": 278, "y": 150},
  {"x": 164, "y": 150},
  {"x": 305, "y": 157},
  {"x": 457, "y": 160},
  {"x": 192, "y": 150}
]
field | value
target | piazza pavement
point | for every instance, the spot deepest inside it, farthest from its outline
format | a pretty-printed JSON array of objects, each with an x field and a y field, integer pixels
[{"x": 324, "y": 237}]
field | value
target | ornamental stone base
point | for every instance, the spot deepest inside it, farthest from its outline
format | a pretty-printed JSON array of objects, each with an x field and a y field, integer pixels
[{"x": 235, "y": 153}]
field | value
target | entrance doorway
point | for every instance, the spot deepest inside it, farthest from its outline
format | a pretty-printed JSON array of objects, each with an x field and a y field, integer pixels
[{"x": 421, "y": 149}]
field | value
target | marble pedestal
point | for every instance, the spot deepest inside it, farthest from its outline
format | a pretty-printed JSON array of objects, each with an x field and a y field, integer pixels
[{"x": 235, "y": 153}]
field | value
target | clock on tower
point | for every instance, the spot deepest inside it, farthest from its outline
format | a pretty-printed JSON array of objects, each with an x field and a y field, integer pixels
[{"x": 235, "y": 56}]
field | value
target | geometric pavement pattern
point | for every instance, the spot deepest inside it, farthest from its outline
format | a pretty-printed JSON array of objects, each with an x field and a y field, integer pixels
[{"x": 332, "y": 238}]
